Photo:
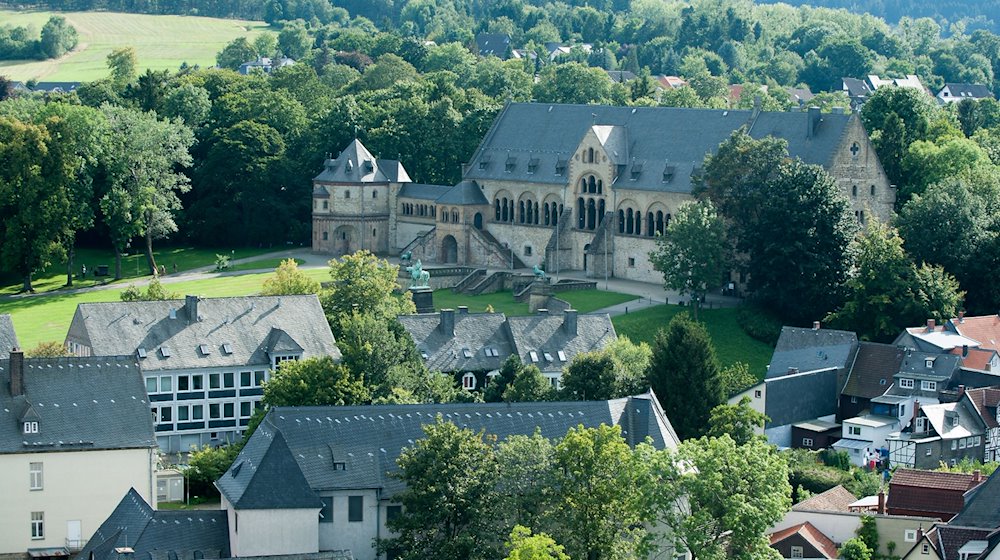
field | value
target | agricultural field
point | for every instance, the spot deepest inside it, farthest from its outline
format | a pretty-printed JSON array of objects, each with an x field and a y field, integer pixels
[{"x": 161, "y": 42}]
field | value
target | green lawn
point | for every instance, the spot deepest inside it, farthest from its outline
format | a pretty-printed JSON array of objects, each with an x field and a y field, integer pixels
[
  {"x": 503, "y": 302},
  {"x": 161, "y": 42},
  {"x": 261, "y": 264},
  {"x": 732, "y": 344},
  {"x": 133, "y": 266}
]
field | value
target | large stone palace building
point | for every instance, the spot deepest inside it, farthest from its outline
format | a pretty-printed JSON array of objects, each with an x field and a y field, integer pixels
[{"x": 572, "y": 187}]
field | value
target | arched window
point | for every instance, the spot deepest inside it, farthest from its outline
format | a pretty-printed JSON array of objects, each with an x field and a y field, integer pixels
[
  {"x": 583, "y": 184},
  {"x": 854, "y": 190},
  {"x": 650, "y": 224},
  {"x": 638, "y": 222},
  {"x": 590, "y": 155},
  {"x": 621, "y": 221},
  {"x": 520, "y": 211},
  {"x": 659, "y": 222},
  {"x": 469, "y": 381},
  {"x": 629, "y": 222},
  {"x": 444, "y": 217},
  {"x": 454, "y": 216},
  {"x": 534, "y": 212},
  {"x": 600, "y": 186},
  {"x": 873, "y": 190},
  {"x": 504, "y": 214},
  {"x": 512, "y": 210},
  {"x": 496, "y": 209},
  {"x": 591, "y": 214},
  {"x": 600, "y": 211},
  {"x": 545, "y": 211}
]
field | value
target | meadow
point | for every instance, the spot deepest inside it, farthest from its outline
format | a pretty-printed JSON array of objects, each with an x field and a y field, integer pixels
[{"x": 161, "y": 42}]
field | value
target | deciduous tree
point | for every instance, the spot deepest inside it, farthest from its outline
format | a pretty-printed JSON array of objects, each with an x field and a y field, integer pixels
[
  {"x": 314, "y": 382},
  {"x": 289, "y": 280},
  {"x": 739, "y": 421},
  {"x": 589, "y": 377},
  {"x": 525, "y": 546}
]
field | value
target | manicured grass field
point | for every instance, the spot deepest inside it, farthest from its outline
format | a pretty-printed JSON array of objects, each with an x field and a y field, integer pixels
[
  {"x": 503, "y": 302},
  {"x": 261, "y": 264},
  {"x": 161, "y": 42},
  {"x": 732, "y": 344},
  {"x": 133, "y": 266}
]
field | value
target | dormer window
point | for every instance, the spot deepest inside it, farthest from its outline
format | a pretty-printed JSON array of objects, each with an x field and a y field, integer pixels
[
  {"x": 668, "y": 173},
  {"x": 929, "y": 362},
  {"x": 511, "y": 163},
  {"x": 484, "y": 162},
  {"x": 30, "y": 427},
  {"x": 561, "y": 167},
  {"x": 532, "y": 165}
]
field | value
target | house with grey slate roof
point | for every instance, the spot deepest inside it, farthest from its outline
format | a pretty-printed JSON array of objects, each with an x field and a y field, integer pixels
[
  {"x": 8, "y": 337},
  {"x": 204, "y": 360},
  {"x": 75, "y": 435},
  {"x": 473, "y": 346},
  {"x": 314, "y": 479},
  {"x": 572, "y": 187}
]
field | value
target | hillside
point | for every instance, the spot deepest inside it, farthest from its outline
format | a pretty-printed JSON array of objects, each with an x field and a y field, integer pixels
[
  {"x": 976, "y": 15},
  {"x": 161, "y": 42}
]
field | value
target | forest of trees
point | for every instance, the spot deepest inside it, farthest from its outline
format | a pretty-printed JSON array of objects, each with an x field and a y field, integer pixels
[{"x": 24, "y": 42}]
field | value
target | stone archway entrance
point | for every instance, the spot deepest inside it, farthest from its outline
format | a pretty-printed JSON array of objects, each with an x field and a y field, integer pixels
[
  {"x": 585, "y": 249},
  {"x": 477, "y": 220},
  {"x": 449, "y": 250},
  {"x": 345, "y": 239}
]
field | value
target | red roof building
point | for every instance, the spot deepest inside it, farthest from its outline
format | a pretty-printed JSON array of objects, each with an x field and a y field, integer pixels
[
  {"x": 803, "y": 541},
  {"x": 929, "y": 493}
]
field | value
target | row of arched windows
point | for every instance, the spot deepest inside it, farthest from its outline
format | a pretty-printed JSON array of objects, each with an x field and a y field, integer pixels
[
  {"x": 590, "y": 212},
  {"x": 450, "y": 215},
  {"x": 410, "y": 209},
  {"x": 631, "y": 222},
  {"x": 526, "y": 211},
  {"x": 591, "y": 185}
]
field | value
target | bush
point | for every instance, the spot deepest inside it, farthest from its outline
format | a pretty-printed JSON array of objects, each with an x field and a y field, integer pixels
[
  {"x": 837, "y": 459},
  {"x": 759, "y": 323},
  {"x": 221, "y": 262}
]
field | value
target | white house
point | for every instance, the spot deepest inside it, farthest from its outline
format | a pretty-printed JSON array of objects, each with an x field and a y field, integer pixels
[
  {"x": 204, "y": 360},
  {"x": 75, "y": 435},
  {"x": 864, "y": 437}
]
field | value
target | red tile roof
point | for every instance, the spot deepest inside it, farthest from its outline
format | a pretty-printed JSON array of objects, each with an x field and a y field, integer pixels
[
  {"x": 986, "y": 400},
  {"x": 950, "y": 539},
  {"x": 985, "y": 329},
  {"x": 916, "y": 492},
  {"x": 837, "y": 498},
  {"x": 811, "y": 534},
  {"x": 977, "y": 358},
  {"x": 934, "y": 480}
]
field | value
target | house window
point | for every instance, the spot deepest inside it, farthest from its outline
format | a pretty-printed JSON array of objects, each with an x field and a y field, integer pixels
[
  {"x": 954, "y": 445},
  {"x": 326, "y": 205},
  {"x": 910, "y": 535},
  {"x": 928, "y": 386},
  {"x": 183, "y": 413},
  {"x": 166, "y": 384},
  {"x": 37, "y": 525},
  {"x": 796, "y": 552},
  {"x": 150, "y": 385},
  {"x": 921, "y": 425},
  {"x": 214, "y": 411},
  {"x": 854, "y": 191},
  {"x": 35, "y": 476},
  {"x": 227, "y": 380},
  {"x": 925, "y": 549},
  {"x": 854, "y": 430},
  {"x": 258, "y": 376},
  {"x": 757, "y": 394},
  {"x": 374, "y": 194},
  {"x": 228, "y": 410},
  {"x": 355, "y": 509},
  {"x": 198, "y": 412},
  {"x": 928, "y": 452},
  {"x": 905, "y": 383},
  {"x": 872, "y": 190},
  {"x": 527, "y": 250},
  {"x": 854, "y": 400},
  {"x": 469, "y": 381},
  {"x": 183, "y": 383},
  {"x": 326, "y": 236},
  {"x": 347, "y": 194},
  {"x": 326, "y": 513},
  {"x": 31, "y": 427},
  {"x": 246, "y": 378},
  {"x": 807, "y": 442},
  {"x": 976, "y": 441},
  {"x": 246, "y": 409},
  {"x": 214, "y": 381},
  {"x": 631, "y": 262},
  {"x": 197, "y": 382}
]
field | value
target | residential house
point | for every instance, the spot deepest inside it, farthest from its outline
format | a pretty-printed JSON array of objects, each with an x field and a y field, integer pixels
[
  {"x": 815, "y": 434},
  {"x": 972, "y": 533},
  {"x": 8, "y": 337},
  {"x": 556, "y": 50},
  {"x": 863, "y": 438},
  {"x": 924, "y": 548},
  {"x": 494, "y": 44},
  {"x": 859, "y": 90},
  {"x": 265, "y": 65},
  {"x": 56, "y": 87},
  {"x": 929, "y": 493},
  {"x": 870, "y": 376},
  {"x": 316, "y": 479},
  {"x": 986, "y": 402},
  {"x": 473, "y": 346},
  {"x": 992, "y": 551},
  {"x": 671, "y": 82},
  {"x": 620, "y": 76},
  {"x": 800, "y": 96},
  {"x": 981, "y": 359},
  {"x": 837, "y": 498},
  {"x": 204, "y": 360},
  {"x": 940, "y": 433},
  {"x": 955, "y": 92},
  {"x": 136, "y": 530},
  {"x": 75, "y": 435},
  {"x": 803, "y": 541},
  {"x": 803, "y": 380}
]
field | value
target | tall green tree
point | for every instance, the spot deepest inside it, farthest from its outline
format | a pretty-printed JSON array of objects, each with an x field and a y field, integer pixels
[
  {"x": 289, "y": 280},
  {"x": 694, "y": 254},
  {"x": 122, "y": 63},
  {"x": 739, "y": 421},
  {"x": 525, "y": 484},
  {"x": 529, "y": 385},
  {"x": 523, "y": 545},
  {"x": 684, "y": 375},
  {"x": 372, "y": 346},
  {"x": 450, "y": 476},
  {"x": 589, "y": 377},
  {"x": 314, "y": 382},
  {"x": 364, "y": 283},
  {"x": 58, "y": 37},
  {"x": 896, "y": 117}
]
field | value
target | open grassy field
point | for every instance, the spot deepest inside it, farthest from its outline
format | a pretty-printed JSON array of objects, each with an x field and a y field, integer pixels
[
  {"x": 161, "y": 42},
  {"x": 732, "y": 344},
  {"x": 503, "y": 302}
]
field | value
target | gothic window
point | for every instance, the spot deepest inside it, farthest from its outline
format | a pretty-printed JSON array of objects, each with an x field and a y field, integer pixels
[
  {"x": 454, "y": 216},
  {"x": 591, "y": 214},
  {"x": 590, "y": 155},
  {"x": 496, "y": 209},
  {"x": 650, "y": 224},
  {"x": 659, "y": 222},
  {"x": 591, "y": 185},
  {"x": 580, "y": 212},
  {"x": 638, "y": 223},
  {"x": 545, "y": 209},
  {"x": 520, "y": 211},
  {"x": 600, "y": 211},
  {"x": 600, "y": 186},
  {"x": 854, "y": 191},
  {"x": 621, "y": 221},
  {"x": 504, "y": 217},
  {"x": 873, "y": 190},
  {"x": 629, "y": 223},
  {"x": 534, "y": 212}
]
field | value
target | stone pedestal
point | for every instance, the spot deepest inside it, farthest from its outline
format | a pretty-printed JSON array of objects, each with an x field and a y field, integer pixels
[
  {"x": 539, "y": 294},
  {"x": 423, "y": 298}
]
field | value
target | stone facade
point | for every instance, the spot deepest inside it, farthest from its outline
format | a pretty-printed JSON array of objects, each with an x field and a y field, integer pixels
[{"x": 599, "y": 180}]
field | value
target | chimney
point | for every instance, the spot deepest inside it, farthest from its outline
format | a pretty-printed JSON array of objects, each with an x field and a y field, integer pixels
[
  {"x": 965, "y": 350},
  {"x": 881, "y": 502},
  {"x": 961, "y": 391},
  {"x": 569, "y": 321},
  {"x": 920, "y": 533},
  {"x": 816, "y": 325},
  {"x": 961, "y": 316},
  {"x": 191, "y": 308},
  {"x": 463, "y": 309},
  {"x": 977, "y": 476},
  {"x": 930, "y": 325},
  {"x": 812, "y": 120},
  {"x": 16, "y": 372},
  {"x": 447, "y": 325}
]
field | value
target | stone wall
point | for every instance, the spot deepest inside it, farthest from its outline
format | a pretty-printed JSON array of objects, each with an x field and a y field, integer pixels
[{"x": 859, "y": 173}]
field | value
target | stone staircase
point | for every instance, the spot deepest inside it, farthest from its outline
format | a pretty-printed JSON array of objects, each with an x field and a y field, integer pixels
[
  {"x": 503, "y": 252},
  {"x": 472, "y": 278}
]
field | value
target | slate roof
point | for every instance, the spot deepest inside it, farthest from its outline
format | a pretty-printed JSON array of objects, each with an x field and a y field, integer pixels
[
  {"x": 138, "y": 526},
  {"x": 356, "y": 447},
  {"x": 811, "y": 534},
  {"x": 811, "y": 349},
  {"x": 620, "y": 76},
  {"x": 545, "y": 334},
  {"x": 802, "y": 396},
  {"x": 467, "y": 193},
  {"x": 986, "y": 401},
  {"x": 8, "y": 337},
  {"x": 422, "y": 191},
  {"x": 357, "y": 165},
  {"x": 249, "y": 325},
  {"x": 856, "y": 88},
  {"x": 659, "y": 136},
  {"x": 837, "y": 498},
  {"x": 951, "y": 538},
  {"x": 914, "y": 365},
  {"x": 963, "y": 90},
  {"x": 871, "y": 374},
  {"x": 984, "y": 329},
  {"x": 982, "y": 505},
  {"x": 250, "y": 483},
  {"x": 53, "y": 87},
  {"x": 80, "y": 403},
  {"x": 493, "y": 44}
]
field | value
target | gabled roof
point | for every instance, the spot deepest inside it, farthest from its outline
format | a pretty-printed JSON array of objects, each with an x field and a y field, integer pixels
[
  {"x": 986, "y": 401},
  {"x": 963, "y": 90},
  {"x": 493, "y": 44},
  {"x": 871, "y": 374},
  {"x": 914, "y": 365},
  {"x": 856, "y": 88},
  {"x": 811, "y": 349},
  {"x": 982, "y": 505},
  {"x": 468, "y": 349},
  {"x": 936, "y": 339},
  {"x": 812, "y": 535},
  {"x": 950, "y": 538},
  {"x": 423, "y": 192},
  {"x": 266, "y": 476},
  {"x": 801, "y": 396},
  {"x": 657, "y": 135},
  {"x": 357, "y": 165},
  {"x": 136, "y": 525},
  {"x": 975, "y": 358},
  {"x": 235, "y": 330},
  {"x": 984, "y": 329},
  {"x": 356, "y": 447},
  {"x": 280, "y": 342},
  {"x": 8, "y": 337},
  {"x": 837, "y": 498},
  {"x": 80, "y": 403},
  {"x": 467, "y": 193},
  {"x": 545, "y": 334},
  {"x": 937, "y": 480},
  {"x": 932, "y": 492},
  {"x": 969, "y": 423}
]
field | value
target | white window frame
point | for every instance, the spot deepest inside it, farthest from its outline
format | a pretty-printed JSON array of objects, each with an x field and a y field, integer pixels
[
  {"x": 910, "y": 535},
  {"x": 156, "y": 385},
  {"x": 35, "y": 476},
  {"x": 905, "y": 383},
  {"x": 807, "y": 442},
  {"x": 796, "y": 552},
  {"x": 31, "y": 427},
  {"x": 928, "y": 385},
  {"x": 469, "y": 381},
  {"x": 167, "y": 382},
  {"x": 37, "y": 525},
  {"x": 854, "y": 430}
]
